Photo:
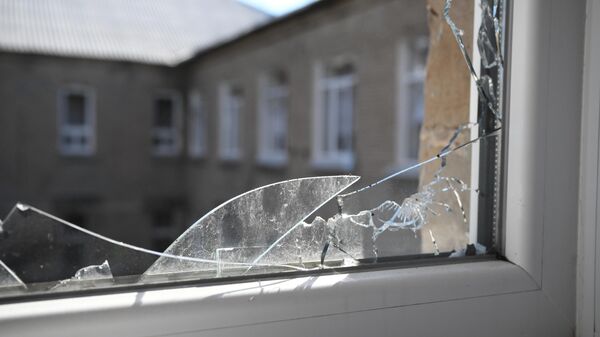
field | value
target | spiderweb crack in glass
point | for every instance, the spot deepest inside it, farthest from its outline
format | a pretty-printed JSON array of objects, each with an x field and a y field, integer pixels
[
  {"x": 488, "y": 43},
  {"x": 414, "y": 211}
]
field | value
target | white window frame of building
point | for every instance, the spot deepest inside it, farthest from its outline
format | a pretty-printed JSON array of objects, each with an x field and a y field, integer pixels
[
  {"x": 273, "y": 111},
  {"x": 231, "y": 109},
  {"x": 169, "y": 137},
  {"x": 328, "y": 86},
  {"x": 86, "y": 132},
  {"x": 410, "y": 72},
  {"x": 197, "y": 126},
  {"x": 532, "y": 294}
]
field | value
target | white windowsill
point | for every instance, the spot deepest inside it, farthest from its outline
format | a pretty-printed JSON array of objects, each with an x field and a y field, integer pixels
[{"x": 205, "y": 308}]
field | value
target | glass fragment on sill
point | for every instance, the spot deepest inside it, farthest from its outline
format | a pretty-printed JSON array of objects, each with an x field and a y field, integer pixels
[
  {"x": 470, "y": 250},
  {"x": 90, "y": 276}
]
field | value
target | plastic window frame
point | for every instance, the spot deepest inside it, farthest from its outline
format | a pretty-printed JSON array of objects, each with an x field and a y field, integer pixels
[{"x": 497, "y": 297}]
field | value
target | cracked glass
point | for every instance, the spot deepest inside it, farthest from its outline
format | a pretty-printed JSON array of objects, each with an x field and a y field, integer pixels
[{"x": 433, "y": 208}]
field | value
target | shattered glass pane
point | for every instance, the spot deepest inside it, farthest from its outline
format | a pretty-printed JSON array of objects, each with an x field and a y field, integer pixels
[
  {"x": 423, "y": 208},
  {"x": 488, "y": 40},
  {"x": 374, "y": 223}
]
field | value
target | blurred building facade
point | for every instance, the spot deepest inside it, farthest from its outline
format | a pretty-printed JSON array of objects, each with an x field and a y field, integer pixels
[{"x": 137, "y": 145}]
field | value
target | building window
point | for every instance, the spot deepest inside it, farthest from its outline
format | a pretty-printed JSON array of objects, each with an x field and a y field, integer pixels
[
  {"x": 231, "y": 103},
  {"x": 335, "y": 100},
  {"x": 76, "y": 121},
  {"x": 410, "y": 72},
  {"x": 165, "y": 125},
  {"x": 273, "y": 105},
  {"x": 197, "y": 125}
]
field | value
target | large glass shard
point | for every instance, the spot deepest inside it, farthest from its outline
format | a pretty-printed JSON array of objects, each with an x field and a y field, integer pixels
[
  {"x": 41, "y": 248},
  {"x": 267, "y": 217}
]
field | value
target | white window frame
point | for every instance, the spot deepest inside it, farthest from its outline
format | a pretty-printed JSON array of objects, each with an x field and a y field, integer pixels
[
  {"x": 533, "y": 294},
  {"x": 230, "y": 125},
  {"x": 174, "y": 132},
  {"x": 407, "y": 74},
  {"x": 197, "y": 125},
  {"x": 268, "y": 91},
  {"x": 332, "y": 159},
  {"x": 588, "y": 254},
  {"x": 88, "y": 130}
]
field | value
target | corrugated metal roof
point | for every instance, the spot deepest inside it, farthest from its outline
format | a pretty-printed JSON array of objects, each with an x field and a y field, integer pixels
[{"x": 147, "y": 31}]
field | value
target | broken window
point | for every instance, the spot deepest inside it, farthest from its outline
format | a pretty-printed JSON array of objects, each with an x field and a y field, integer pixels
[{"x": 318, "y": 223}]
